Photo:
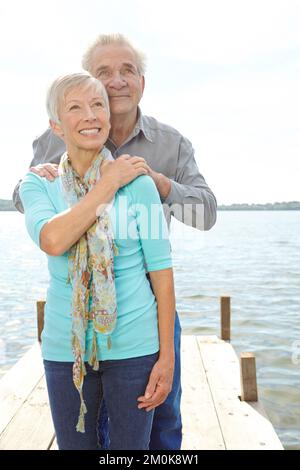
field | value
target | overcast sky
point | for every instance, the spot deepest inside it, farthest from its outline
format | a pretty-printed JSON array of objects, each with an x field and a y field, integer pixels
[{"x": 225, "y": 73}]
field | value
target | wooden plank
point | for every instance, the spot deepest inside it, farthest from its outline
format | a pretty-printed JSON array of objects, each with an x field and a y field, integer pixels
[
  {"x": 243, "y": 426},
  {"x": 31, "y": 428},
  {"x": 18, "y": 382},
  {"x": 201, "y": 428}
]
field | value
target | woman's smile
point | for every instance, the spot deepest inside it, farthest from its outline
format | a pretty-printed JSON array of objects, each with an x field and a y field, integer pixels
[{"x": 90, "y": 132}]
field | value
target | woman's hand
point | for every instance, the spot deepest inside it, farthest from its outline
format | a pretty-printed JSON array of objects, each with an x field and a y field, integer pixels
[
  {"x": 159, "y": 384},
  {"x": 124, "y": 169}
]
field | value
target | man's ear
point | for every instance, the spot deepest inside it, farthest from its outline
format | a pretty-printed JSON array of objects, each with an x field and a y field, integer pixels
[
  {"x": 143, "y": 83},
  {"x": 56, "y": 128}
]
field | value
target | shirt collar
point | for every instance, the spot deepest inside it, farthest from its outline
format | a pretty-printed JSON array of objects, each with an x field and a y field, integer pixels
[{"x": 141, "y": 125}]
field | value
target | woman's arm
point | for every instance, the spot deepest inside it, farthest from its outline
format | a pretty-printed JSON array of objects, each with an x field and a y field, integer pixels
[
  {"x": 161, "y": 377},
  {"x": 163, "y": 287},
  {"x": 65, "y": 228},
  {"x": 154, "y": 238}
]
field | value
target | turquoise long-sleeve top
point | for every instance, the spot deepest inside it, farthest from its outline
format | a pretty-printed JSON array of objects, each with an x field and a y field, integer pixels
[{"x": 141, "y": 236}]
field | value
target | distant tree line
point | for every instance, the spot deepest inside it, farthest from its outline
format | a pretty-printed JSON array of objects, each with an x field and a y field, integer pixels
[
  {"x": 7, "y": 205},
  {"x": 276, "y": 206}
]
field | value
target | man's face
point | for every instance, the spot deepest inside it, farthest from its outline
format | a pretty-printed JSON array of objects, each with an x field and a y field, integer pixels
[{"x": 115, "y": 66}]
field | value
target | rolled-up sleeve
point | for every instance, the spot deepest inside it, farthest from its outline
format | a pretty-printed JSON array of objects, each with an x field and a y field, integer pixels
[
  {"x": 191, "y": 200},
  {"x": 37, "y": 204}
]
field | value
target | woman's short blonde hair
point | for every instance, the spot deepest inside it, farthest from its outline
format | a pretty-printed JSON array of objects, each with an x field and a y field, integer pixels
[
  {"x": 108, "y": 39},
  {"x": 62, "y": 85}
]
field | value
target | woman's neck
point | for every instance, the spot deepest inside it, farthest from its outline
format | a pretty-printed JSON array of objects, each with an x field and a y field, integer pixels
[{"x": 82, "y": 159}]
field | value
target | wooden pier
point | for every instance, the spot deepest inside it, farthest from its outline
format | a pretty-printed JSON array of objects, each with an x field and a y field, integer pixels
[{"x": 220, "y": 405}]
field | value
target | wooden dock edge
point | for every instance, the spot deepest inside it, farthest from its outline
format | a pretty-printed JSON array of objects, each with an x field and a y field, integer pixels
[
  {"x": 214, "y": 416},
  {"x": 220, "y": 405}
]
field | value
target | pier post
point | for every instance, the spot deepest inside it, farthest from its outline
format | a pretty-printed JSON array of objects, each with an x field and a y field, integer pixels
[
  {"x": 40, "y": 307},
  {"x": 248, "y": 377},
  {"x": 225, "y": 317}
]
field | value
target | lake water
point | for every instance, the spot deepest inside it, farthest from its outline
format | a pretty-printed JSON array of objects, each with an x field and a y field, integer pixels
[{"x": 252, "y": 256}]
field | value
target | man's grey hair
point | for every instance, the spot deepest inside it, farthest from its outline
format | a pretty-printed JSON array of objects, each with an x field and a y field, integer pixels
[
  {"x": 115, "y": 39},
  {"x": 62, "y": 85}
]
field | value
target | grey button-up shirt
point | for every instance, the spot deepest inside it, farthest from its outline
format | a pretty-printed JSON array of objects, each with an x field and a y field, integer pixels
[{"x": 166, "y": 151}]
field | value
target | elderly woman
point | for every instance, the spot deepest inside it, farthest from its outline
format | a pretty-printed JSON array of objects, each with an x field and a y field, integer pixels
[{"x": 107, "y": 333}]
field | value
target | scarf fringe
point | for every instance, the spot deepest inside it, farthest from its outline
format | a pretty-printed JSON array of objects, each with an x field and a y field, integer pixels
[{"x": 80, "y": 427}]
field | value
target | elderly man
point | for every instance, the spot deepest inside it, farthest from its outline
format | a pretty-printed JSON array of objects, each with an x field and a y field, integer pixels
[{"x": 170, "y": 159}]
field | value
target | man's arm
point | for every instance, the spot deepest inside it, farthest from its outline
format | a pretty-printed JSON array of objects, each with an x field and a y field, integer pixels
[
  {"x": 188, "y": 196},
  {"x": 48, "y": 148},
  {"x": 16, "y": 198}
]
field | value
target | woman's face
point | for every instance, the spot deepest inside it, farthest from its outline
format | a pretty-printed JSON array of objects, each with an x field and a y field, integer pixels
[{"x": 84, "y": 120}]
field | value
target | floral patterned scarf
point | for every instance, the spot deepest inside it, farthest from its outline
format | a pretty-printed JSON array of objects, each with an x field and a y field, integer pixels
[{"x": 91, "y": 274}]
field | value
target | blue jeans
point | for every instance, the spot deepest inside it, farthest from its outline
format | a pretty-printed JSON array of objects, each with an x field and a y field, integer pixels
[
  {"x": 166, "y": 431},
  {"x": 120, "y": 383}
]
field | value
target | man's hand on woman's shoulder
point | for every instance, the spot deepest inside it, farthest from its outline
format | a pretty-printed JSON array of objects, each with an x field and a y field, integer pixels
[{"x": 46, "y": 170}]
